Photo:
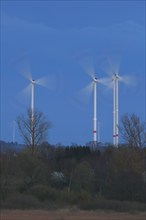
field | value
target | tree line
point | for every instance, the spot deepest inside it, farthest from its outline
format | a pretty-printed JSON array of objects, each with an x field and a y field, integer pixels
[
  {"x": 34, "y": 129},
  {"x": 74, "y": 175}
]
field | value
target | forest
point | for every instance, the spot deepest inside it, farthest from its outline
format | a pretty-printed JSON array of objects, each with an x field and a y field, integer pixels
[{"x": 58, "y": 176}]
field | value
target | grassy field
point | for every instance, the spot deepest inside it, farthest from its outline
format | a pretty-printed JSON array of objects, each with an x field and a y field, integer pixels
[{"x": 66, "y": 214}]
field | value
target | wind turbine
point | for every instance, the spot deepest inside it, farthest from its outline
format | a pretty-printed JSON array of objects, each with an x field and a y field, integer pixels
[
  {"x": 32, "y": 83},
  {"x": 113, "y": 72},
  {"x": 92, "y": 86},
  {"x": 48, "y": 81}
]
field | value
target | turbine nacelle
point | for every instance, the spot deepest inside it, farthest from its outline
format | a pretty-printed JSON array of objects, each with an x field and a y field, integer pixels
[
  {"x": 95, "y": 79},
  {"x": 32, "y": 81},
  {"x": 115, "y": 77},
  {"x": 103, "y": 81}
]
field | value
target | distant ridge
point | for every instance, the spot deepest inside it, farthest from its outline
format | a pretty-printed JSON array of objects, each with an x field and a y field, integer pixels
[{"x": 10, "y": 146}]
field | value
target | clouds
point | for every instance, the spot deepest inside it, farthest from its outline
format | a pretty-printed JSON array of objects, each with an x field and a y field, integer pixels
[
  {"x": 67, "y": 43},
  {"x": 127, "y": 28},
  {"x": 8, "y": 21}
]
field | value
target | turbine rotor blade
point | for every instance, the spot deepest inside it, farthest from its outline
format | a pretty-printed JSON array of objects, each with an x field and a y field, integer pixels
[
  {"x": 26, "y": 73},
  {"x": 87, "y": 65},
  {"x": 111, "y": 65},
  {"x": 129, "y": 80},
  {"x": 115, "y": 61},
  {"x": 22, "y": 66},
  {"x": 105, "y": 81},
  {"x": 50, "y": 82},
  {"x": 26, "y": 90},
  {"x": 84, "y": 95},
  {"x": 24, "y": 93}
]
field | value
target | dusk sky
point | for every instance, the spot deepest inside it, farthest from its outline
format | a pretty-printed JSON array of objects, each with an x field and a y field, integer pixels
[{"x": 52, "y": 39}]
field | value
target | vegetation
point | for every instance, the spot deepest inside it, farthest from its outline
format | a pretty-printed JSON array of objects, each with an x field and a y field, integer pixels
[
  {"x": 33, "y": 128},
  {"x": 111, "y": 178},
  {"x": 45, "y": 176},
  {"x": 133, "y": 131}
]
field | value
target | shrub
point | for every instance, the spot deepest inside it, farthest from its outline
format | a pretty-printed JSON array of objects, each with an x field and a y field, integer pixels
[
  {"x": 20, "y": 201},
  {"x": 43, "y": 192},
  {"x": 74, "y": 197}
]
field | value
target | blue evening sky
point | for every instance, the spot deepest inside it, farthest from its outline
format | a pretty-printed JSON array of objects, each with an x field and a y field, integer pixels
[{"x": 51, "y": 38}]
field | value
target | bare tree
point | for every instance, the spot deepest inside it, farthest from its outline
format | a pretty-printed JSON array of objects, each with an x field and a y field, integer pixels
[
  {"x": 33, "y": 130},
  {"x": 133, "y": 130}
]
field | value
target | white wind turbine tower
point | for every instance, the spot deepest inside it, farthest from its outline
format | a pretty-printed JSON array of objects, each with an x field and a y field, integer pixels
[
  {"x": 95, "y": 81},
  {"x": 113, "y": 72},
  {"x": 88, "y": 67},
  {"x": 115, "y": 79}
]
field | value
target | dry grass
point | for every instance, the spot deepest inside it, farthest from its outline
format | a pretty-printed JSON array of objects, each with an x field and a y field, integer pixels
[{"x": 66, "y": 214}]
